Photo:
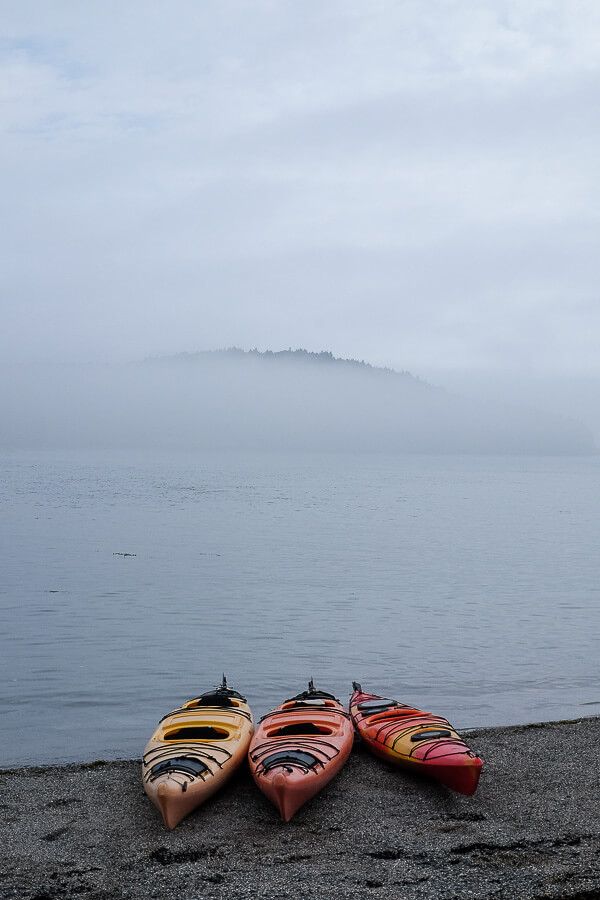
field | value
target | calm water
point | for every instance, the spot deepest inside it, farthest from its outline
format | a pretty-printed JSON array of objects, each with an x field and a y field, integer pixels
[{"x": 466, "y": 585}]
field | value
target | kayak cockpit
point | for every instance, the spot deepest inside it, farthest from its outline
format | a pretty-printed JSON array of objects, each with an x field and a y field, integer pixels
[
  {"x": 298, "y": 728},
  {"x": 197, "y": 733}
]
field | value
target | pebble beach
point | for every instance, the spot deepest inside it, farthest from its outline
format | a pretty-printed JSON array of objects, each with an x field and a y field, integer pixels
[{"x": 532, "y": 831}]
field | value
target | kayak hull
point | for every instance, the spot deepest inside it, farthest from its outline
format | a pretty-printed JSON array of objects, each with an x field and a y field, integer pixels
[{"x": 416, "y": 740}]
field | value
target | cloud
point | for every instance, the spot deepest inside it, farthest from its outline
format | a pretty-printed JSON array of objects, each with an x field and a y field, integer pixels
[{"x": 413, "y": 184}]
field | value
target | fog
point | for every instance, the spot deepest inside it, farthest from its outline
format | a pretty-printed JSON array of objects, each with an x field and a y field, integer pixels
[
  {"x": 412, "y": 183},
  {"x": 572, "y": 395},
  {"x": 248, "y": 401}
]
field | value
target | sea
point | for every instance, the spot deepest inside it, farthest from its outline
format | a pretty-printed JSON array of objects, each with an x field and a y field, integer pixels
[{"x": 130, "y": 581}]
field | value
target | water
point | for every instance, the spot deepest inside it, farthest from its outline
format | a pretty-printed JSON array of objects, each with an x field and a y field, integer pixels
[{"x": 467, "y": 585}]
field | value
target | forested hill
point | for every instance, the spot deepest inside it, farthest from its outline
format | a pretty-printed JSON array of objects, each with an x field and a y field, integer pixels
[
  {"x": 283, "y": 400},
  {"x": 309, "y": 357}
]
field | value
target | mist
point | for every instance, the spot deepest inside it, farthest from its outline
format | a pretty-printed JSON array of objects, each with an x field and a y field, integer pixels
[
  {"x": 235, "y": 400},
  {"x": 572, "y": 395},
  {"x": 418, "y": 186}
]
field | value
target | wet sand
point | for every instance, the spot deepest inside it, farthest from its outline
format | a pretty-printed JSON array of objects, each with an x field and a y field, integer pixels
[{"x": 531, "y": 831}]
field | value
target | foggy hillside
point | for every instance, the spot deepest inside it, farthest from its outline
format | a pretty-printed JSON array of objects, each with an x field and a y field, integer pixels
[{"x": 251, "y": 400}]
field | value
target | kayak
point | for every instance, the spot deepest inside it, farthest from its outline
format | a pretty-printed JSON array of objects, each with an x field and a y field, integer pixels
[
  {"x": 415, "y": 739},
  {"x": 194, "y": 750},
  {"x": 299, "y": 747}
]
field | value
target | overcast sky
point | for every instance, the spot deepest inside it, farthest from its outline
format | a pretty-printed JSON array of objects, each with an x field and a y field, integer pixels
[{"x": 412, "y": 183}]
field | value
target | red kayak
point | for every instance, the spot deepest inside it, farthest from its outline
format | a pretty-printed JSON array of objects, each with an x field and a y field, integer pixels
[
  {"x": 299, "y": 747},
  {"x": 415, "y": 739}
]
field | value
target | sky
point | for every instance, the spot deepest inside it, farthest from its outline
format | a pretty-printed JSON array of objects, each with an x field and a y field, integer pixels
[{"x": 414, "y": 184}]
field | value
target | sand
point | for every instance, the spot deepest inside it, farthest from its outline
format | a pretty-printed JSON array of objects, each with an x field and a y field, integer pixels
[{"x": 531, "y": 831}]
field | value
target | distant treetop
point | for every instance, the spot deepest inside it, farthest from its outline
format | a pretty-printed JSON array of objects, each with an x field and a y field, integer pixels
[{"x": 323, "y": 357}]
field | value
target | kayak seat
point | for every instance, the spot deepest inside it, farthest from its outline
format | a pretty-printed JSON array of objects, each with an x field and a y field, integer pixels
[
  {"x": 300, "y": 728},
  {"x": 432, "y": 735},
  {"x": 197, "y": 733},
  {"x": 290, "y": 757}
]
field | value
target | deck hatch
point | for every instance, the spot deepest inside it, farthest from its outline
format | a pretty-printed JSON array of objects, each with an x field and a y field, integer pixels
[
  {"x": 431, "y": 735},
  {"x": 372, "y": 706},
  {"x": 290, "y": 757},
  {"x": 184, "y": 764}
]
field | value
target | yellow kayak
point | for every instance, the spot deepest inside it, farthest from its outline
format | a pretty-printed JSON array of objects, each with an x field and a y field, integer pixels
[{"x": 194, "y": 750}]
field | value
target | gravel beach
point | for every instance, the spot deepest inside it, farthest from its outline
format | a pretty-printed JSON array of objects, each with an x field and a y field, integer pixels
[{"x": 531, "y": 831}]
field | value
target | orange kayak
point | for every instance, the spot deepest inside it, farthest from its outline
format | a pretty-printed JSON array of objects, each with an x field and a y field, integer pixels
[
  {"x": 415, "y": 739},
  {"x": 194, "y": 750},
  {"x": 299, "y": 747}
]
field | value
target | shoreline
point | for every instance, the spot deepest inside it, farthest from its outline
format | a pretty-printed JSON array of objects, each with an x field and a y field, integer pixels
[
  {"x": 38, "y": 768},
  {"x": 532, "y": 830}
]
